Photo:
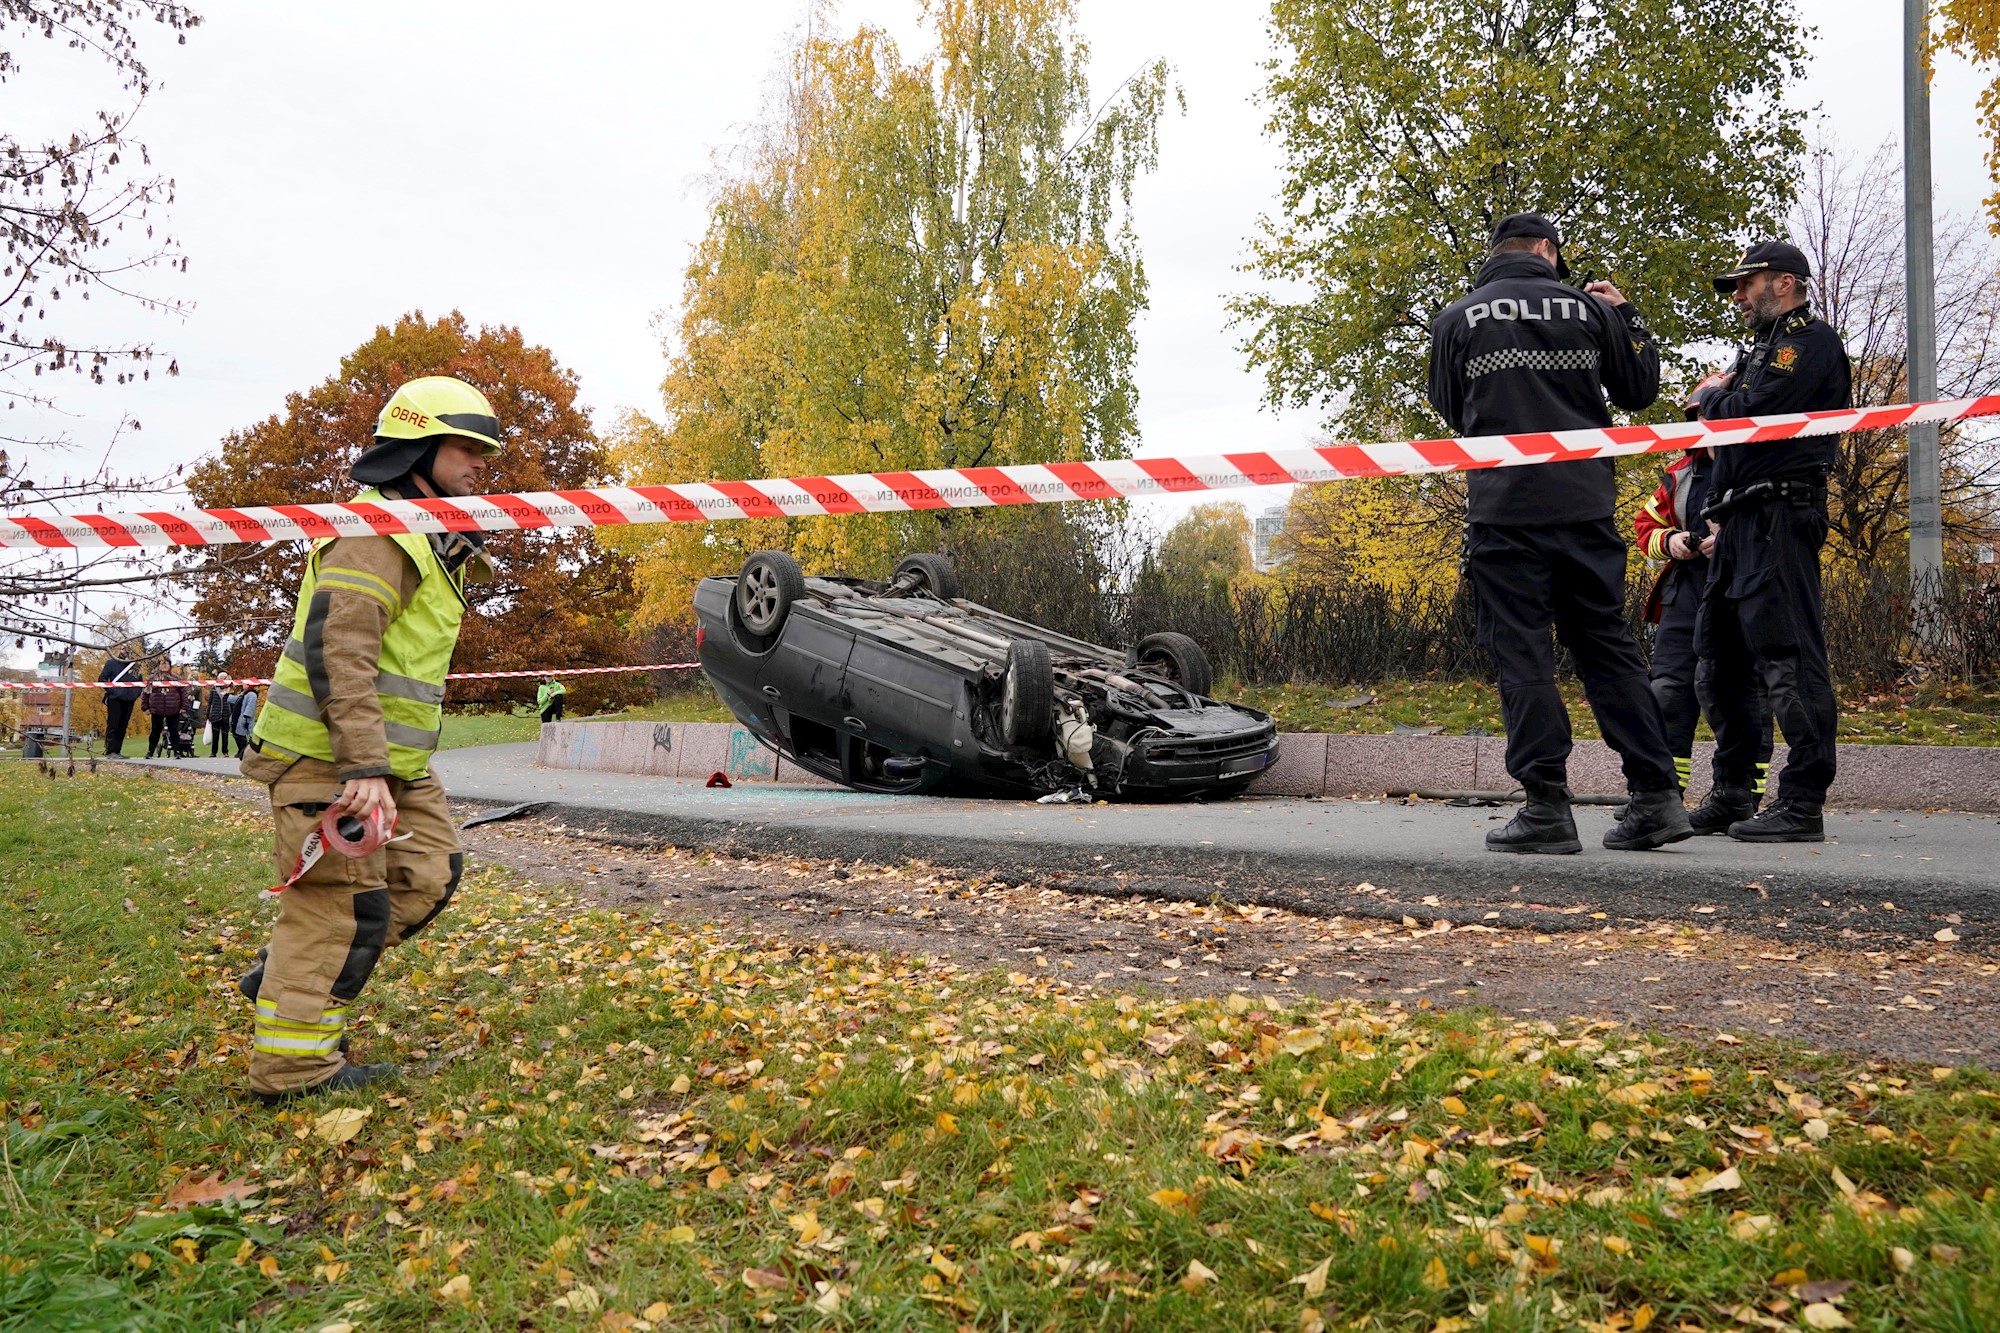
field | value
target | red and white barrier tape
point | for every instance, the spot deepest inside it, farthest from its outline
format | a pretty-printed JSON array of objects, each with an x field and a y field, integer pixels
[
  {"x": 266, "y": 680},
  {"x": 369, "y": 836},
  {"x": 944, "y": 488}
]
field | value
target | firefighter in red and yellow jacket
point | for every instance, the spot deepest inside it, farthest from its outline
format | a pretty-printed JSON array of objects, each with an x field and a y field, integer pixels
[{"x": 1666, "y": 527}]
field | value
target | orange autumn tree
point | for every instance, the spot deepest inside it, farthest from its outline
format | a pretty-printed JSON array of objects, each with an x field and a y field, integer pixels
[{"x": 561, "y": 599}]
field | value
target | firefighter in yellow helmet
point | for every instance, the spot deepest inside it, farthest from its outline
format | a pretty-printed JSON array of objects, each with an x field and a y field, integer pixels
[{"x": 349, "y": 725}]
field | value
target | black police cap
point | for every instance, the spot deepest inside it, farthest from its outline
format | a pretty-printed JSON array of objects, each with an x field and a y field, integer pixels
[
  {"x": 1533, "y": 226},
  {"x": 1766, "y": 257}
]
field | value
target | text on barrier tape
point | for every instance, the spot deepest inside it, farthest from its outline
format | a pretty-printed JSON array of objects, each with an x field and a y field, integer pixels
[
  {"x": 944, "y": 488},
  {"x": 266, "y": 680}
]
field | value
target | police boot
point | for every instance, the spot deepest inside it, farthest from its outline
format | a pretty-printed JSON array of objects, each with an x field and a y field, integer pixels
[
  {"x": 1785, "y": 821},
  {"x": 1543, "y": 825},
  {"x": 346, "y": 1079},
  {"x": 1652, "y": 819},
  {"x": 1618, "y": 812},
  {"x": 1722, "y": 807}
]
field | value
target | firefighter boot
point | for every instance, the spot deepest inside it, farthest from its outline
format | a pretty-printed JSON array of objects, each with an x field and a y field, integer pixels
[
  {"x": 1786, "y": 821},
  {"x": 1652, "y": 819},
  {"x": 1544, "y": 825},
  {"x": 1722, "y": 807},
  {"x": 253, "y": 981},
  {"x": 346, "y": 1079}
]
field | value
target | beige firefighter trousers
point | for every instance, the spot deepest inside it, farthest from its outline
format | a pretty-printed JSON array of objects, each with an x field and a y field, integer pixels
[{"x": 336, "y": 920}]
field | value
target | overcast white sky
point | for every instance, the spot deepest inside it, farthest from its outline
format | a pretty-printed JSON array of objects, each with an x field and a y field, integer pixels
[{"x": 541, "y": 166}]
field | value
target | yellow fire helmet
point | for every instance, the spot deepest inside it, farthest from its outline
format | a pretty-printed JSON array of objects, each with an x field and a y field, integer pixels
[{"x": 417, "y": 413}]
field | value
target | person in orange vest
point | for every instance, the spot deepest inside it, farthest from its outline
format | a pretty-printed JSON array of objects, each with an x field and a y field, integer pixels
[{"x": 1665, "y": 528}]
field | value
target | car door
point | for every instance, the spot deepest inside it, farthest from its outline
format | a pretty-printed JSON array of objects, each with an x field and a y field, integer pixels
[
  {"x": 901, "y": 700},
  {"x": 805, "y": 673}
]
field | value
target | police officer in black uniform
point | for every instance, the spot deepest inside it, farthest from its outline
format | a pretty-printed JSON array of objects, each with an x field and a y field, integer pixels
[
  {"x": 1524, "y": 351},
  {"x": 1674, "y": 607},
  {"x": 1762, "y": 613}
]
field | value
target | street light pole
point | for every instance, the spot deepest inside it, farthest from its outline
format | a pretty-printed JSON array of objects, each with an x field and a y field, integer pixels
[
  {"x": 1926, "y": 507},
  {"x": 69, "y": 658}
]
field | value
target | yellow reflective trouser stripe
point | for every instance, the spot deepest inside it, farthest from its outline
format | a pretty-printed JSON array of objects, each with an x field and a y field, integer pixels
[
  {"x": 1683, "y": 768},
  {"x": 285, "y": 1036}
]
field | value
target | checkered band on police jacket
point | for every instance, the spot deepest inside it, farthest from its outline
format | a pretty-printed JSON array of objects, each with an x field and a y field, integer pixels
[{"x": 1524, "y": 358}]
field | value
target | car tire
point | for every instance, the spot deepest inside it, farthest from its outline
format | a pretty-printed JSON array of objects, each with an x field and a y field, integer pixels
[
  {"x": 1177, "y": 658},
  {"x": 765, "y": 590},
  {"x": 937, "y": 576},
  {"x": 1028, "y": 695}
]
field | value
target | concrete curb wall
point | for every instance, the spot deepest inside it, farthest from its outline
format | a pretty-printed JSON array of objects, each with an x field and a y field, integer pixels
[{"x": 1887, "y": 777}]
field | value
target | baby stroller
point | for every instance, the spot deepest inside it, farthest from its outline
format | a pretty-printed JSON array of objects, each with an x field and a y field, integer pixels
[{"x": 180, "y": 735}]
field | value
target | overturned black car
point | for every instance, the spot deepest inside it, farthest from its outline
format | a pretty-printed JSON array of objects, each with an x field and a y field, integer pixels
[{"x": 904, "y": 687}]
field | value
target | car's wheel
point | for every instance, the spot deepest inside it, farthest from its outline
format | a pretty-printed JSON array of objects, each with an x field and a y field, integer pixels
[
  {"x": 770, "y": 582},
  {"x": 1179, "y": 659},
  {"x": 935, "y": 574},
  {"x": 1028, "y": 696}
]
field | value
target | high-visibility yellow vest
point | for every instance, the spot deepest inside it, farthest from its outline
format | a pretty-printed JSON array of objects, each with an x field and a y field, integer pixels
[{"x": 409, "y": 681}]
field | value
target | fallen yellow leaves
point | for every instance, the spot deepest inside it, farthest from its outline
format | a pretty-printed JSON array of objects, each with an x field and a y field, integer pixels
[
  {"x": 735, "y": 1143},
  {"x": 1313, "y": 1279},
  {"x": 1636, "y": 1094},
  {"x": 1721, "y": 1181},
  {"x": 1748, "y": 1227},
  {"x": 341, "y": 1124}
]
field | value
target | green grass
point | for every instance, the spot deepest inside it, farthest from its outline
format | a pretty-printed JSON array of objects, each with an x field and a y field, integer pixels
[
  {"x": 698, "y": 704},
  {"x": 1930, "y": 715},
  {"x": 625, "y": 1124}
]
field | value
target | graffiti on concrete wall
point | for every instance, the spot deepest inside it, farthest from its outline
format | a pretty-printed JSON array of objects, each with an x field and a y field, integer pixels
[{"x": 748, "y": 759}]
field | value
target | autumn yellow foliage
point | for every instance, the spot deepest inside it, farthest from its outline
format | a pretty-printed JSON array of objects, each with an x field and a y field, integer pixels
[{"x": 918, "y": 264}]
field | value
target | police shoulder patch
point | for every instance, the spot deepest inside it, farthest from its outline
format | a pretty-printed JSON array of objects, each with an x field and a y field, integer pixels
[{"x": 1784, "y": 358}]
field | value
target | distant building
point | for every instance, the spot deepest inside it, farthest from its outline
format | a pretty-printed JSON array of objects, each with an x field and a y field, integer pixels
[{"x": 1264, "y": 530}]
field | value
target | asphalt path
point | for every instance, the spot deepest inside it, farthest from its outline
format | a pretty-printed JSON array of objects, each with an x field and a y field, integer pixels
[{"x": 1895, "y": 873}]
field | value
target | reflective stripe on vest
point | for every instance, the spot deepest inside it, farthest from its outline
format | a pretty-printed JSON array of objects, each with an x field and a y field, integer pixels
[{"x": 410, "y": 676}]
